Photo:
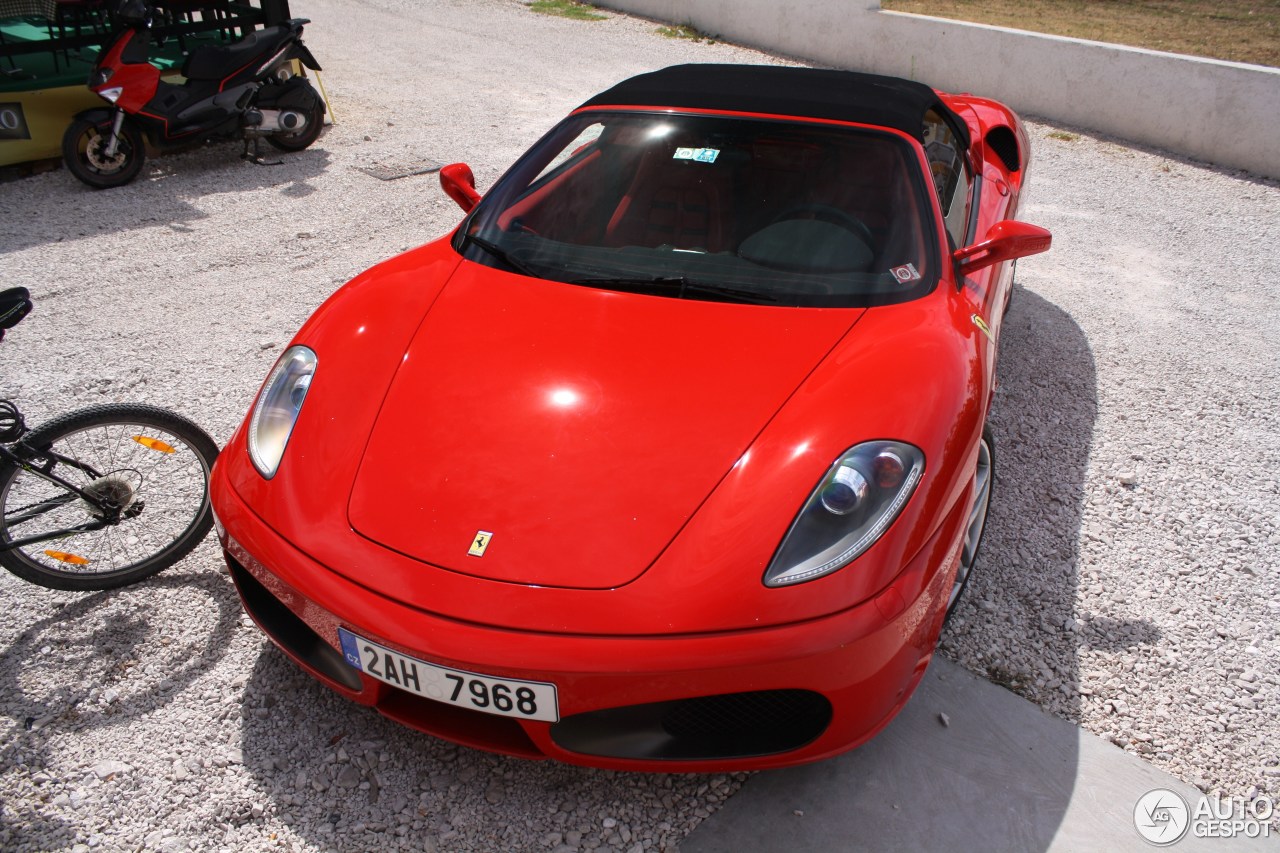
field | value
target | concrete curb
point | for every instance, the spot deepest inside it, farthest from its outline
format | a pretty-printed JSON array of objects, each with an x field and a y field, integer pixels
[{"x": 999, "y": 775}]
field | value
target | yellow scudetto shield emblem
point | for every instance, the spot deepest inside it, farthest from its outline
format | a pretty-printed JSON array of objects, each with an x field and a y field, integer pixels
[
  {"x": 982, "y": 326},
  {"x": 480, "y": 543}
]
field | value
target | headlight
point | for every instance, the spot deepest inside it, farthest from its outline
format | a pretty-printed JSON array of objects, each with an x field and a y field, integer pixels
[
  {"x": 113, "y": 94},
  {"x": 277, "y": 408},
  {"x": 850, "y": 509}
]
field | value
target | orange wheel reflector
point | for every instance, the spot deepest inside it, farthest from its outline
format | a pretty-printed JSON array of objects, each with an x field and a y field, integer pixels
[
  {"x": 64, "y": 557},
  {"x": 154, "y": 444}
]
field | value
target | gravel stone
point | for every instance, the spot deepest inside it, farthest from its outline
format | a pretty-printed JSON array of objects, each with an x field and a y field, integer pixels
[
  {"x": 349, "y": 777},
  {"x": 107, "y": 769}
]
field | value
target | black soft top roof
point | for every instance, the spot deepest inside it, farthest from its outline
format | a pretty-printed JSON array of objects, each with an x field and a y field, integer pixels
[{"x": 784, "y": 90}]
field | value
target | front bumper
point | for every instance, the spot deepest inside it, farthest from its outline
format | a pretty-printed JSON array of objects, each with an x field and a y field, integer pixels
[{"x": 752, "y": 699}]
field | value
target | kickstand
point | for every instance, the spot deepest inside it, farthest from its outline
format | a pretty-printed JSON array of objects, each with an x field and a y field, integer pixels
[{"x": 256, "y": 156}]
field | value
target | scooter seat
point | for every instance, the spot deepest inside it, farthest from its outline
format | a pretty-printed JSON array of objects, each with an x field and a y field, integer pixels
[{"x": 215, "y": 62}]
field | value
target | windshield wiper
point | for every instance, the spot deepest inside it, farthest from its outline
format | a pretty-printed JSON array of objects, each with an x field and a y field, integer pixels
[
  {"x": 501, "y": 254},
  {"x": 682, "y": 285}
]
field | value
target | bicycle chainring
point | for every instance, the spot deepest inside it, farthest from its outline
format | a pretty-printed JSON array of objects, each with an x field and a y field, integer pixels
[{"x": 113, "y": 495}]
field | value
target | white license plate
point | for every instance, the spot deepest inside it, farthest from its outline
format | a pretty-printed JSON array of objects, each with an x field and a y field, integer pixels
[{"x": 507, "y": 697}]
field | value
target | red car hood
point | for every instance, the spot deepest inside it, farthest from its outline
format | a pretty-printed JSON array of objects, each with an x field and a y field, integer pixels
[{"x": 580, "y": 428}]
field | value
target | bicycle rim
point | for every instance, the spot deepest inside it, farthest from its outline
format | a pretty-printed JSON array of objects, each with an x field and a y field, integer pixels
[{"x": 157, "y": 475}]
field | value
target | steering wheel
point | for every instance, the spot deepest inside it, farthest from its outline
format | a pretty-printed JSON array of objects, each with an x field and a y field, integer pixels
[{"x": 833, "y": 215}]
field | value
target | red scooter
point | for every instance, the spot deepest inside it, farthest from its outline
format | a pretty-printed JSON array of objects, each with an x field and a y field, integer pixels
[{"x": 246, "y": 89}]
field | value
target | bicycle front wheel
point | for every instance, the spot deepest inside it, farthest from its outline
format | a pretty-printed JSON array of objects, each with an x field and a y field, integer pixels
[{"x": 151, "y": 464}]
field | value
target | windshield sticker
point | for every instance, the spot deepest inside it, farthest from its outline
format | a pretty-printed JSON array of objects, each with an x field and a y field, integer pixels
[
  {"x": 906, "y": 273},
  {"x": 700, "y": 155}
]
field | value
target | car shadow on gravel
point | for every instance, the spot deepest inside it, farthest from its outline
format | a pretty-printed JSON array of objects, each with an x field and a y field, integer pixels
[
  {"x": 964, "y": 766},
  {"x": 53, "y": 207},
  {"x": 94, "y": 664},
  {"x": 1015, "y": 624},
  {"x": 343, "y": 778}
]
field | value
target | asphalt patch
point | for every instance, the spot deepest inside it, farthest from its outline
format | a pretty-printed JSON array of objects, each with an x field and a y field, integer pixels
[{"x": 394, "y": 169}]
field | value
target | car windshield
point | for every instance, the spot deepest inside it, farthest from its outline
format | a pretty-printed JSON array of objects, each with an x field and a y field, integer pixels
[{"x": 714, "y": 208}]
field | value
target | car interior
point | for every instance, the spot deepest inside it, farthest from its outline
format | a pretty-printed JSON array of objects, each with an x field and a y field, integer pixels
[{"x": 845, "y": 201}]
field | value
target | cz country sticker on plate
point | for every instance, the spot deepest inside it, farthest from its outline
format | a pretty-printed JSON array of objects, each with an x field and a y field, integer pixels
[{"x": 507, "y": 697}]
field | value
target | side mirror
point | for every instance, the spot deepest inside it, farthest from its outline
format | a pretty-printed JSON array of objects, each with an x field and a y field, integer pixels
[
  {"x": 460, "y": 185},
  {"x": 1007, "y": 240}
]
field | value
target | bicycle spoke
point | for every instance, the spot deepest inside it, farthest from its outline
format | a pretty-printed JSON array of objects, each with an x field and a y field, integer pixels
[{"x": 170, "y": 486}]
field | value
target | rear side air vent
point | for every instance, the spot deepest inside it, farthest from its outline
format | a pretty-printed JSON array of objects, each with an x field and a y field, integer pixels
[{"x": 1005, "y": 145}]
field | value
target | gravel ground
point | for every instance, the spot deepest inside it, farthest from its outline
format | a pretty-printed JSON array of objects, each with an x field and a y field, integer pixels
[{"x": 1129, "y": 581}]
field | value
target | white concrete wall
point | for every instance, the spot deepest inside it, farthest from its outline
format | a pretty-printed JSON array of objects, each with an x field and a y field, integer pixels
[{"x": 1226, "y": 113}]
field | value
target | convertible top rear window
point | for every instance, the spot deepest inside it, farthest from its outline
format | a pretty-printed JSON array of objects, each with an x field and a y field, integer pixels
[{"x": 711, "y": 207}]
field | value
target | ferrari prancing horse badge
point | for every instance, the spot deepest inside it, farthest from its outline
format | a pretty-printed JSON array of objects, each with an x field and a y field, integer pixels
[
  {"x": 480, "y": 543},
  {"x": 982, "y": 326}
]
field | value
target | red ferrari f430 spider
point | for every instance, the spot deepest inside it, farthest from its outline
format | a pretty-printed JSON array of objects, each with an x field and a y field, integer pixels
[{"x": 673, "y": 455}]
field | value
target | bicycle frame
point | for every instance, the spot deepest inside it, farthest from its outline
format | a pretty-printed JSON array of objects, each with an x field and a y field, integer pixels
[{"x": 110, "y": 514}]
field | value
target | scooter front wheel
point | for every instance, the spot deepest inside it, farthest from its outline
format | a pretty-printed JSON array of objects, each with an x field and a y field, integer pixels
[{"x": 84, "y": 149}]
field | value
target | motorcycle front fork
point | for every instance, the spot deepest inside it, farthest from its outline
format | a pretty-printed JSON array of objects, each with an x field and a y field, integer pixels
[{"x": 114, "y": 139}]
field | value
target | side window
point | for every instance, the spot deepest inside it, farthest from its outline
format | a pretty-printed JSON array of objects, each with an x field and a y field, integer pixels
[{"x": 951, "y": 178}]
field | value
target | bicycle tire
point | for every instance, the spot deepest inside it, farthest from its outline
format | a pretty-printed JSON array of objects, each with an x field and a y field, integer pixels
[{"x": 165, "y": 476}]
